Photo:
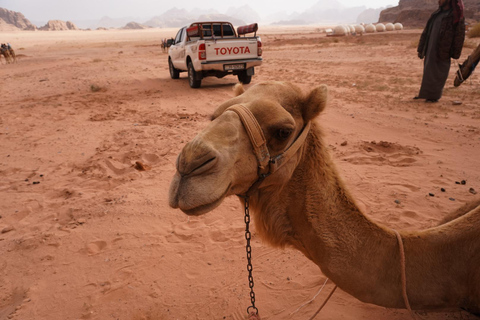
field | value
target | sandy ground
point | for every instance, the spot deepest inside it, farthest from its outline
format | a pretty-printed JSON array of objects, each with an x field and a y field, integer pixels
[{"x": 90, "y": 127}]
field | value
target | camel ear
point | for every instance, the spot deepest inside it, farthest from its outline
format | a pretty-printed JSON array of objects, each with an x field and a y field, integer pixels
[
  {"x": 238, "y": 89},
  {"x": 315, "y": 102}
]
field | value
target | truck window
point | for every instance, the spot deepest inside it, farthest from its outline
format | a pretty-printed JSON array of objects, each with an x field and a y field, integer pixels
[
  {"x": 207, "y": 30},
  {"x": 228, "y": 30},
  {"x": 217, "y": 30},
  {"x": 179, "y": 36}
]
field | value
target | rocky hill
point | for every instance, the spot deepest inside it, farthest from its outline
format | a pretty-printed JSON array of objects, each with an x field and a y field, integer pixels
[
  {"x": 107, "y": 22},
  {"x": 135, "y": 26},
  {"x": 415, "y": 13},
  {"x": 11, "y": 20},
  {"x": 58, "y": 25},
  {"x": 369, "y": 15}
]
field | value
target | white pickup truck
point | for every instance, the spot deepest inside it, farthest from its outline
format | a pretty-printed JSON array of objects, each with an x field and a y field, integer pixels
[{"x": 206, "y": 49}]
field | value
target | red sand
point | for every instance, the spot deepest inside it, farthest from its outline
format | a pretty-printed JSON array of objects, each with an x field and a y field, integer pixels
[{"x": 86, "y": 233}]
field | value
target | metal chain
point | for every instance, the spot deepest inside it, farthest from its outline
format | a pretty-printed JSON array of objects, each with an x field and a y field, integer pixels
[{"x": 248, "y": 236}]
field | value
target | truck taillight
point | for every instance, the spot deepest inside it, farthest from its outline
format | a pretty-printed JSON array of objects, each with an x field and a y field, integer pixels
[
  {"x": 259, "y": 48},
  {"x": 202, "y": 53}
]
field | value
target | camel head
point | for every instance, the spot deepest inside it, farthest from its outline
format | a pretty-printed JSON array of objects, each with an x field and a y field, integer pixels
[{"x": 221, "y": 160}]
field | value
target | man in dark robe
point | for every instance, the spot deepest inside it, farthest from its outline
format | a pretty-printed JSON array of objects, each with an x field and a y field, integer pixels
[{"x": 441, "y": 40}]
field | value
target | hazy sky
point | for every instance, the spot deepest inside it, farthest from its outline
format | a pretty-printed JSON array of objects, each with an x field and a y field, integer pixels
[{"x": 44, "y": 10}]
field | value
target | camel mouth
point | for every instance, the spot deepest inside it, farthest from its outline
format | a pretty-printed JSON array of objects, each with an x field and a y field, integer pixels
[{"x": 207, "y": 207}]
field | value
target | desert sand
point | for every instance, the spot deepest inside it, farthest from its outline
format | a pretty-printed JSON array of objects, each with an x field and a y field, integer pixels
[{"x": 90, "y": 128}]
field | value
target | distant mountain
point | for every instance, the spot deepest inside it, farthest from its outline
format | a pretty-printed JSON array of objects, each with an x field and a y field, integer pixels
[
  {"x": 107, "y": 22},
  {"x": 326, "y": 5},
  {"x": 85, "y": 24},
  {"x": 325, "y": 11},
  {"x": 58, "y": 25},
  {"x": 245, "y": 13},
  {"x": 176, "y": 18},
  {"x": 221, "y": 17},
  {"x": 173, "y": 18},
  {"x": 370, "y": 15},
  {"x": 278, "y": 17},
  {"x": 14, "y": 20},
  {"x": 135, "y": 26},
  {"x": 408, "y": 12},
  {"x": 415, "y": 13},
  {"x": 332, "y": 11}
]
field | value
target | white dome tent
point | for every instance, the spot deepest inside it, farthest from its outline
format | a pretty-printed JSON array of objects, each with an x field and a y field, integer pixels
[
  {"x": 370, "y": 28},
  {"x": 389, "y": 26},
  {"x": 380, "y": 27},
  {"x": 340, "y": 31},
  {"x": 359, "y": 29},
  {"x": 398, "y": 26}
]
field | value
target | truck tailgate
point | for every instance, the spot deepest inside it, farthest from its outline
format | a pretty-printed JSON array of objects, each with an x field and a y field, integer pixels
[{"x": 231, "y": 49}]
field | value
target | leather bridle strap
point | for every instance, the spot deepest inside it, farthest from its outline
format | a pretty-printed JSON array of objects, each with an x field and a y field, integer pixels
[
  {"x": 281, "y": 159},
  {"x": 255, "y": 133},
  {"x": 403, "y": 273},
  {"x": 266, "y": 164}
]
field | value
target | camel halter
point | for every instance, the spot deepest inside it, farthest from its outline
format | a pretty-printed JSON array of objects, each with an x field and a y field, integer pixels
[{"x": 266, "y": 166}]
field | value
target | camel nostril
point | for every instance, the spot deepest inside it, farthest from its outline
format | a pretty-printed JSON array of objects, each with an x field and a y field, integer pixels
[
  {"x": 187, "y": 166},
  {"x": 207, "y": 165}
]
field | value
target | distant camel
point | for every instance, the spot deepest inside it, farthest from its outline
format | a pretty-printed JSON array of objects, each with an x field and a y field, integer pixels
[
  {"x": 166, "y": 44},
  {"x": 13, "y": 55},
  {"x": 266, "y": 143},
  {"x": 5, "y": 52}
]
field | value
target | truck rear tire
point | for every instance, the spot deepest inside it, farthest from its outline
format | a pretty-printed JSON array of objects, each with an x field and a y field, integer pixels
[
  {"x": 244, "y": 77},
  {"x": 174, "y": 73},
  {"x": 193, "y": 77}
]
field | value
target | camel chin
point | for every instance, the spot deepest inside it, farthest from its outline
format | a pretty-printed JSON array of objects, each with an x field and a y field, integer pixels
[
  {"x": 191, "y": 199},
  {"x": 202, "y": 209}
]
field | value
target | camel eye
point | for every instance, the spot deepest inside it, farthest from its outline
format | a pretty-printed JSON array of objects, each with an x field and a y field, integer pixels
[{"x": 283, "y": 134}]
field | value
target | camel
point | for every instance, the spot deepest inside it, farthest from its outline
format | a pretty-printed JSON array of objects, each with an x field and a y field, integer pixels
[
  {"x": 467, "y": 67},
  {"x": 6, "y": 54},
  {"x": 166, "y": 44},
  {"x": 13, "y": 56},
  {"x": 305, "y": 204}
]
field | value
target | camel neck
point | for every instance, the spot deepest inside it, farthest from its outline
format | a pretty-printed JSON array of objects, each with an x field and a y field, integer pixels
[
  {"x": 306, "y": 205},
  {"x": 337, "y": 223},
  {"x": 328, "y": 227}
]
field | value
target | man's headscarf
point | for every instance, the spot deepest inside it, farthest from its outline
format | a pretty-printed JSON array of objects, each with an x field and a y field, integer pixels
[{"x": 457, "y": 6}]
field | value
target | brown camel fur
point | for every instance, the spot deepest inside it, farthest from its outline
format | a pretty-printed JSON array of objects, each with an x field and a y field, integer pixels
[
  {"x": 467, "y": 67},
  {"x": 13, "y": 56},
  {"x": 6, "y": 54},
  {"x": 306, "y": 205}
]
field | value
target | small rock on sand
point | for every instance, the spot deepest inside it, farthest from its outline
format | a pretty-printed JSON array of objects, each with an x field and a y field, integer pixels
[{"x": 7, "y": 229}]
